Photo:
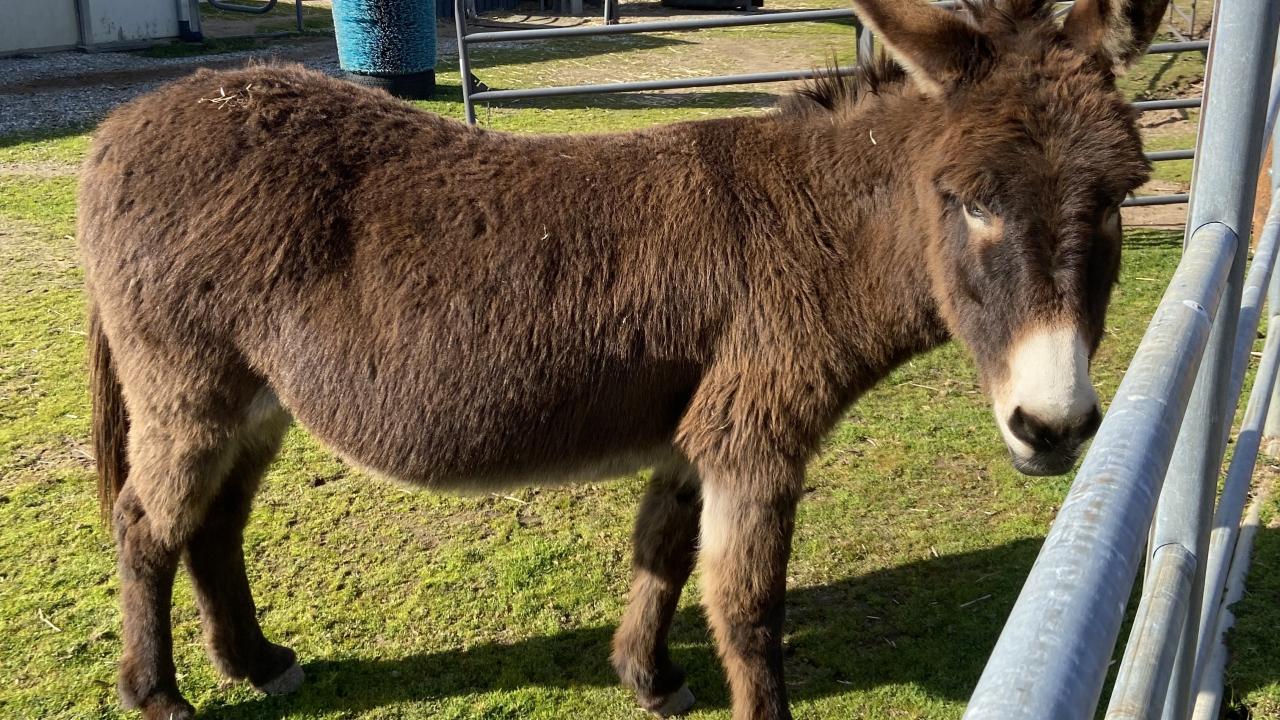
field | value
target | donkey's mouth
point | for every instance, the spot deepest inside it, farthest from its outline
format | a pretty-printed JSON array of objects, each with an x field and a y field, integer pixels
[{"x": 1045, "y": 463}]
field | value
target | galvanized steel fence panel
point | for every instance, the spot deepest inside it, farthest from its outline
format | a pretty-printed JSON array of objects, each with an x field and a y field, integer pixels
[
  {"x": 471, "y": 95},
  {"x": 1052, "y": 656},
  {"x": 1148, "y": 484}
]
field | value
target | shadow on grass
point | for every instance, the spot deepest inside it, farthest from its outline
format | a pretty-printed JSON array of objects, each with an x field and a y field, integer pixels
[
  {"x": 29, "y": 136},
  {"x": 705, "y": 99},
  {"x": 1152, "y": 238},
  {"x": 930, "y": 624}
]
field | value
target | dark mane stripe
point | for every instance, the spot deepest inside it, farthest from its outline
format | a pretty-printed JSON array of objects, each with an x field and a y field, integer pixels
[{"x": 831, "y": 92}]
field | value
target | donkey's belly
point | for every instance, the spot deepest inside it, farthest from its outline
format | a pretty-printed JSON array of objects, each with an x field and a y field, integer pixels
[
  {"x": 567, "y": 472},
  {"x": 464, "y": 452},
  {"x": 487, "y": 428}
]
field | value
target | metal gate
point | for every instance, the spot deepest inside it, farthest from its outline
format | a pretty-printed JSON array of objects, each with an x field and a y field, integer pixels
[
  {"x": 471, "y": 94},
  {"x": 1148, "y": 486},
  {"x": 1150, "y": 479}
]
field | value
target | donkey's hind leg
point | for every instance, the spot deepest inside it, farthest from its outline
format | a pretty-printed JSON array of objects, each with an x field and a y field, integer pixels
[
  {"x": 215, "y": 559},
  {"x": 148, "y": 679},
  {"x": 174, "y": 461},
  {"x": 665, "y": 546}
]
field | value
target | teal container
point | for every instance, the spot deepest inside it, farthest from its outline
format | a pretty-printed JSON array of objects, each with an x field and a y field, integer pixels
[{"x": 389, "y": 44}]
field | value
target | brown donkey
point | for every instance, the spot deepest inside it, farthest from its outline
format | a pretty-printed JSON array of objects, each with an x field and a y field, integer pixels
[{"x": 467, "y": 309}]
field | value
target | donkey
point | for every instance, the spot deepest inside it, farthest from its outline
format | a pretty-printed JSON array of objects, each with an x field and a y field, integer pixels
[{"x": 446, "y": 306}]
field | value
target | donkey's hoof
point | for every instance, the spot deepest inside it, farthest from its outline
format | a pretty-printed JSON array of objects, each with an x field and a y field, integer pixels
[
  {"x": 284, "y": 683},
  {"x": 677, "y": 703},
  {"x": 168, "y": 710}
]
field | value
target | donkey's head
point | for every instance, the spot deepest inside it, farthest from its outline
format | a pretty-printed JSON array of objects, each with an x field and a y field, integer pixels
[{"x": 1021, "y": 189}]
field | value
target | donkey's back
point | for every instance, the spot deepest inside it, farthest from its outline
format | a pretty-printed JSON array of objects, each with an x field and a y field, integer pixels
[{"x": 438, "y": 303}]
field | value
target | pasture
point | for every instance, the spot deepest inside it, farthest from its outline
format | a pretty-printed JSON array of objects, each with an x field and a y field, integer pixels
[{"x": 912, "y": 542}]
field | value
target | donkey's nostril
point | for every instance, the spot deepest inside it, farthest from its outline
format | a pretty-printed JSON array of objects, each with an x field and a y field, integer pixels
[
  {"x": 1032, "y": 431},
  {"x": 1043, "y": 437},
  {"x": 1090, "y": 424}
]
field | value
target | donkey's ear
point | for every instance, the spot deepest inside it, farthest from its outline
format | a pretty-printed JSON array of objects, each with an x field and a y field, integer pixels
[
  {"x": 938, "y": 48},
  {"x": 1119, "y": 30}
]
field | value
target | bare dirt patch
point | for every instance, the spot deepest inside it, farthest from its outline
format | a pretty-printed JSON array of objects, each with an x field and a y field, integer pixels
[
  {"x": 1158, "y": 216},
  {"x": 40, "y": 169}
]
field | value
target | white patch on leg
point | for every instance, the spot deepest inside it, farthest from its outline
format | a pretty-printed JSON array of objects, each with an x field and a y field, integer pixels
[
  {"x": 716, "y": 522},
  {"x": 1048, "y": 377}
]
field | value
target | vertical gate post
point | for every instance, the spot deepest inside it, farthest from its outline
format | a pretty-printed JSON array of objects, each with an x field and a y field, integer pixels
[
  {"x": 865, "y": 42},
  {"x": 464, "y": 59},
  {"x": 1228, "y": 152},
  {"x": 1271, "y": 430}
]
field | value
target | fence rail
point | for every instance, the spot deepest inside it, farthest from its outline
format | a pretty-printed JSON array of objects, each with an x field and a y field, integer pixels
[
  {"x": 1150, "y": 478},
  {"x": 1147, "y": 488},
  {"x": 471, "y": 94}
]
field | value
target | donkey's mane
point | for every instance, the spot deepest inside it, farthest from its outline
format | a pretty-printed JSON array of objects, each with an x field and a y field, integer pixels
[{"x": 829, "y": 91}]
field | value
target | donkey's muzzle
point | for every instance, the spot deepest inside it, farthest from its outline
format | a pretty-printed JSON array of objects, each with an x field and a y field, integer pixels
[{"x": 1054, "y": 446}]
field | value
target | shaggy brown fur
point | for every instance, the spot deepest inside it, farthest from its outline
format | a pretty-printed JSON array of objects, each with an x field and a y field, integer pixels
[{"x": 463, "y": 309}]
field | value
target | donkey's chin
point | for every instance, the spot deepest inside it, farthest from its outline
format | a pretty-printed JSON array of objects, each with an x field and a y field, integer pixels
[{"x": 1043, "y": 464}]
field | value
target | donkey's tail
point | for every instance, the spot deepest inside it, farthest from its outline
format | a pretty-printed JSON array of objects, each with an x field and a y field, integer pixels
[{"x": 110, "y": 419}]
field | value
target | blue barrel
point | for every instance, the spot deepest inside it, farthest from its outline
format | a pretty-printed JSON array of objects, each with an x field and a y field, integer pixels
[{"x": 389, "y": 44}]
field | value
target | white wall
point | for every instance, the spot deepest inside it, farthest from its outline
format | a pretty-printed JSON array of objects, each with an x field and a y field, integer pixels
[
  {"x": 123, "y": 21},
  {"x": 43, "y": 24},
  {"x": 38, "y": 24}
]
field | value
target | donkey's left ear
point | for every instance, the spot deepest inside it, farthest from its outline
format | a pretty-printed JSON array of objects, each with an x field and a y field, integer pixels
[
  {"x": 938, "y": 48},
  {"x": 1119, "y": 30}
]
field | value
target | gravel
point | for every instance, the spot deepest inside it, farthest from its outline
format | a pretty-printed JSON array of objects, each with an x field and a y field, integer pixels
[{"x": 75, "y": 89}]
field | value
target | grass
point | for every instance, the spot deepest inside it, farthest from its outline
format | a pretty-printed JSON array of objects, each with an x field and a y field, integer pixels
[
  {"x": 210, "y": 46},
  {"x": 913, "y": 540}
]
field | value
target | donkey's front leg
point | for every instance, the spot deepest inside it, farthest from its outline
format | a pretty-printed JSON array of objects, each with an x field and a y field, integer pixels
[{"x": 747, "y": 519}]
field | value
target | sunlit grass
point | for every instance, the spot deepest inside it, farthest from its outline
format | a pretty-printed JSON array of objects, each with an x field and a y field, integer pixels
[{"x": 914, "y": 536}]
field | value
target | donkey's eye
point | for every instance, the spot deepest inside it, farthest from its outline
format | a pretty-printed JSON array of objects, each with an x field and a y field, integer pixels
[{"x": 976, "y": 213}]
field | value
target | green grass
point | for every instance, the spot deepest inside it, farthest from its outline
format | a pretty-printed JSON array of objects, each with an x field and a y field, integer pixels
[
  {"x": 1253, "y": 675},
  {"x": 211, "y": 46},
  {"x": 913, "y": 540},
  {"x": 64, "y": 146}
]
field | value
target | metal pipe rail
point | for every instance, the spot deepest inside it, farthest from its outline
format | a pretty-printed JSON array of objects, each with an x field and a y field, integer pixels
[
  {"x": 1170, "y": 104},
  {"x": 660, "y": 26},
  {"x": 646, "y": 85},
  {"x": 1053, "y": 653},
  {"x": 1146, "y": 200},
  {"x": 259, "y": 9},
  {"x": 1178, "y": 47},
  {"x": 1162, "y": 155},
  {"x": 1149, "y": 651},
  {"x": 863, "y": 39}
]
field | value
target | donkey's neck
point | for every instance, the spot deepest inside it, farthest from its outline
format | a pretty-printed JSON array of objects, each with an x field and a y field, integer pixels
[{"x": 856, "y": 176}]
